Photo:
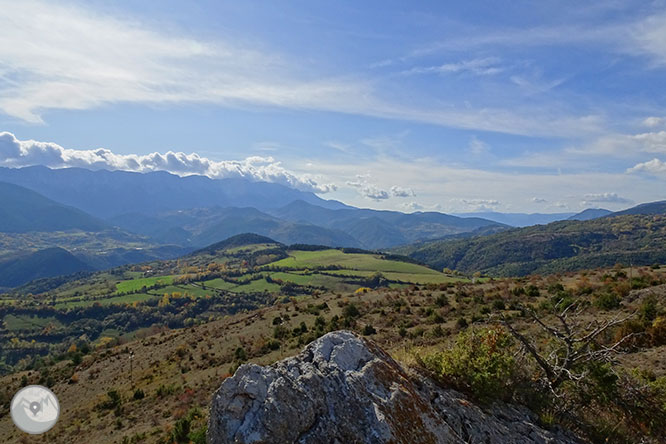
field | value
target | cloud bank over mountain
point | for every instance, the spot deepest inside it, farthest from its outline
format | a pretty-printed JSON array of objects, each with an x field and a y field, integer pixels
[{"x": 20, "y": 153}]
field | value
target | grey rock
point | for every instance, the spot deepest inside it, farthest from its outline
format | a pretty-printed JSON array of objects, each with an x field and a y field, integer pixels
[{"x": 345, "y": 389}]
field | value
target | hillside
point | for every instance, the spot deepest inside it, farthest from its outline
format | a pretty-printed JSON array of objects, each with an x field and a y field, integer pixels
[
  {"x": 645, "y": 208},
  {"x": 40, "y": 264},
  {"x": 244, "y": 272},
  {"x": 556, "y": 247},
  {"x": 23, "y": 210},
  {"x": 590, "y": 213},
  {"x": 175, "y": 371},
  {"x": 240, "y": 240}
]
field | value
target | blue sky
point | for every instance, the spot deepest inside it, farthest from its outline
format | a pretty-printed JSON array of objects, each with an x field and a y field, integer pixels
[{"x": 506, "y": 106}]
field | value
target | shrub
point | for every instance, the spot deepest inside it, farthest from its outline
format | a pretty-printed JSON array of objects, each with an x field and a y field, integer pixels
[
  {"x": 165, "y": 390},
  {"x": 139, "y": 394},
  {"x": 442, "y": 300},
  {"x": 480, "y": 362},
  {"x": 369, "y": 330},
  {"x": 532, "y": 291},
  {"x": 498, "y": 304},
  {"x": 657, "y": 332},
  {"x": 402, "y": 331},
  {"x": 435, "y": 318},
  {"x": 350, "y": 311},
  {"x": 648, "y": 309},
  {"x": 240, "y": 354},
  {"x": 280, "y": 332},
  {"x": 113, "y": 400},
  {"x": 607, "y": 301}
]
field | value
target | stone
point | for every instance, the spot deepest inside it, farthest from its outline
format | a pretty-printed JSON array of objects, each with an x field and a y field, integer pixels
[{"x": 343, "y": 388}]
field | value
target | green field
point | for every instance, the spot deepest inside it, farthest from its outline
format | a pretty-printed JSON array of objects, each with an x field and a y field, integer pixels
[
  {"x": 138, "y": 284},
  {"x": 351, "y": 261},
  {"x": 301, "y": 269},
  {"x": 315, "y": 280},
  {"x": 249, "y": 248},
  {"x": 22, "y": 322},
  {"x": 363, "y": 265},
  {"x": 122, "y": 300},
  {"x": 259, "y": 285},
  {"x": 219, "y": 284}
]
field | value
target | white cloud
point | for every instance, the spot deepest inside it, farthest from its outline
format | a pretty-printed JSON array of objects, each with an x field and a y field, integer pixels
[
  {"x": 373, "y": 192},
  {"x": 652, "y": 122},
  {"x": 605, "y": 198},
  {"x": 415, "y": 206},
  {"x": 654, "y": 142},
  {"x": 369, "y": 190},
  {"x": 397, "y": 191},
  {"x": 438, "y": 182},
  {"x": 655, "y": 167},
  {"x": 20, "y": 153},
  {"x": 539, "y": 200},
  {"x": 478, "y": 147},
  {"x": 648, "y": 37},
  {"x": 376, "y": 193},
  {"x": 481, "y": 67},
  {"x": 479, "y": 204}
]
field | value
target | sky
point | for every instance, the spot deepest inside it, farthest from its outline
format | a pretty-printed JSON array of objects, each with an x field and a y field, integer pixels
[{"x": 511, "y": 106}]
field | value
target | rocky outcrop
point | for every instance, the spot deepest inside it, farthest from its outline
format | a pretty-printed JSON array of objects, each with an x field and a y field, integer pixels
[{"x": 345, "y": 389}]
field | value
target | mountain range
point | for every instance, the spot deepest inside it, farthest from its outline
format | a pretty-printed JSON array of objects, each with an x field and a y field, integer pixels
[
  {"x": 106, "y": 194},
  {"x": 195, "y": 211},
  {"x": 104, "y": 219},
  {"x": 529, "y": 219}
]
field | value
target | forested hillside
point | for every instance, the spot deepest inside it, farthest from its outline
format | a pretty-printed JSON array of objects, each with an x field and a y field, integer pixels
[{"x": 556, "y": 247}]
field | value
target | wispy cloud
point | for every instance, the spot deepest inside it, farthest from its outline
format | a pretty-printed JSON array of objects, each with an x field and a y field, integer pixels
[
  {"x": 480, "y": 67},
  {"x": 63, "y": 56},
  {"x": 652, "y": 121},
  {"x": 654, "y": 142},
  {"x": 479, "y": 204},
  {"x": 478, "y": 147},
  {"x": 605, "y": 198},
  {"x": 66, "y": 56},
  {"x": 440, "y": 183},
  {"x": 19, "y": 153}
]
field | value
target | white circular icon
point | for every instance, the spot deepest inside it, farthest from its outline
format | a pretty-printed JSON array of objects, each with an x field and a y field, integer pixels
[{"x": 35, "y": 409}]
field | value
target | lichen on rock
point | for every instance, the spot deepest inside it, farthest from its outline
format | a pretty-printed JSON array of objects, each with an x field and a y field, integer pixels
[{"x": 345, "y": 389}]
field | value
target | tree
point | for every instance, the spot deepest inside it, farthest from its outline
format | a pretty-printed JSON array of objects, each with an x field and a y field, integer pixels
[{"x": 576, "y": 346}]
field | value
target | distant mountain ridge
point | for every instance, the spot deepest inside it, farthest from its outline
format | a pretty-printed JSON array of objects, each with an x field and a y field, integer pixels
[
  {"x": 23, "y": 210},
  {"x": 238, "y": 240},
  {"x": 518, "y": 219},
  {"x": 380, "y": 228},
  {"x": 590, "y": 213},
  {"x": 105, "y": 194}
]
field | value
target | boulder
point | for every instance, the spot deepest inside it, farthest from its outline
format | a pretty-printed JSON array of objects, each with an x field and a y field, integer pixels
[{"x": 343, "y": 389}]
